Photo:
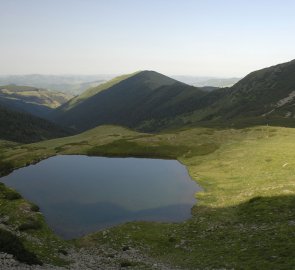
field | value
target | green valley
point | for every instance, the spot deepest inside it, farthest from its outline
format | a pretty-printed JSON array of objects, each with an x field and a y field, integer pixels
[
  {"x": 232, "y": 141},
  {"x": 244, "y": 218}
]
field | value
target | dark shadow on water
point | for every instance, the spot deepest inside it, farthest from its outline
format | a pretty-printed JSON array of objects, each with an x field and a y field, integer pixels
[{"x": 72, "y": 219}]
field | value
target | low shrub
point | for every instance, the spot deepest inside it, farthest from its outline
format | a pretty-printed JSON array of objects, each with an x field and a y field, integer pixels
[
  {"x": 126, "y": 263},
  {"x": 255, "y": 199},
  {"x": 63, "y": 252},
  {"x": 8, "y": 194},
  {"x": 11, "y": 195},
  {"x": 35, "y": 207},
  {"x": 9, "y": 243},
  {"x": 6, "y": 167},
  {"x": 31, "y": 224}
]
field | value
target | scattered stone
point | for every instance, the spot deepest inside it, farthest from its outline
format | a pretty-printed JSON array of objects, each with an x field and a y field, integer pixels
[
  {"x": 125, "y": 248},
  {"x": 182, "y": 242},
  {"x": 93, "y": 258}
]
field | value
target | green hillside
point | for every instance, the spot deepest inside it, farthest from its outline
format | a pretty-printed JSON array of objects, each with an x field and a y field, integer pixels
[
  {"x": 129, "y": 100},
  {"x": 149, "y": 101},
  {"x": 25, "y": 128},
  {"x": 265, "y": 96},
  {"x": 36, "y": 101},
  {"x": 266, "y": 92}
]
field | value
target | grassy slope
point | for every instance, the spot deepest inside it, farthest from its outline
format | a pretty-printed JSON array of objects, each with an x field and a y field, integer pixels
[
  {"x": 23, "y": 127},
  {"x": 244, "y": 218},
  {"x": 95, "y": 90},
  {"x": 261, "y": 97},
  {"x": 20, "y": 216},
  {"x": 137, "y": 100}
]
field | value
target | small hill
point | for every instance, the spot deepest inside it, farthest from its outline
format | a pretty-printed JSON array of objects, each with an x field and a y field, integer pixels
[
  {"x": 25, "y": 128},
  {"x": 129, "y": 100},
  {"x": 36, "y": 101}
]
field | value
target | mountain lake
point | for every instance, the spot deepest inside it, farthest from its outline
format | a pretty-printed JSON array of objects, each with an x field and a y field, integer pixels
[{"x": 80, "y": 194}]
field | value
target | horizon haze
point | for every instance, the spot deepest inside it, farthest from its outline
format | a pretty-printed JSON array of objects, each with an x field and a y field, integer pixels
[{"x": 192, "y": 38}]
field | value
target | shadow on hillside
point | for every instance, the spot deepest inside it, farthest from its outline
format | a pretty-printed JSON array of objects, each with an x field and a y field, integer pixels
[
  {"x": 257, "y": 234},
  {"x": 240, "y": 123},
  {"x": 257, "y": 209}
]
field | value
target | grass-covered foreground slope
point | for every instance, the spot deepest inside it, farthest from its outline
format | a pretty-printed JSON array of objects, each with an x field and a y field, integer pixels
[
  {"x": 24, "y": 233},
  {"x": 244, "y": 217}
]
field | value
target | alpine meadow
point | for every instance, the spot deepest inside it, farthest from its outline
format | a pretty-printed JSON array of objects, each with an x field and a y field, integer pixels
[{"x": 147, "y": 135}]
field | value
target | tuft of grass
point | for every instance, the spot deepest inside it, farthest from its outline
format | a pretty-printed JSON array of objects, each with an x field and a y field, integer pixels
[
  {"x": 11, "y": 244},
  {"x": 126, "y": 263},
  {"x": 8, "y": 193},
  {"x": 30, "y": 224},
  {"x": 6, "y": 167},
  {"x": 35, "y": 207},
  {"x": 16, "y": 215}
]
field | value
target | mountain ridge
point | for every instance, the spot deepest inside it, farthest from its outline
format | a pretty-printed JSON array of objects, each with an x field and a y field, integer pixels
[
  {"x": 115, "y": 104},
  {"x": 150, "y": 101}
]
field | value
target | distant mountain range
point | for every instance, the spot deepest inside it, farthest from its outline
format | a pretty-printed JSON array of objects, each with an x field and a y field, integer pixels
[
  {"x": 150, "y": 101},
  {"x": 36, "y": 101},
  {"x": 70, "y": 84},
  {"x": 207, "y": 81},
  {"x": 77, "y": 84}
]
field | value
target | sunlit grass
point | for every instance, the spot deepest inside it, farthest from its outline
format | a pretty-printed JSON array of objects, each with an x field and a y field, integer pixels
[{"x": 245, "y": 215}]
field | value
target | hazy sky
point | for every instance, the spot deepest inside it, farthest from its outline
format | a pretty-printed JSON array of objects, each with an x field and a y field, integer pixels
[{"x": 179, "y": 37}]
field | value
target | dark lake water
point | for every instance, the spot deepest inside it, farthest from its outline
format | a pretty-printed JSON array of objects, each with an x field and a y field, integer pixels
[{"x": 80, "y": 194}]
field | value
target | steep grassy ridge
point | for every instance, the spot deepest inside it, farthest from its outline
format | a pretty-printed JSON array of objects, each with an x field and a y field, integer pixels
[{"x": 265, "y": 96}]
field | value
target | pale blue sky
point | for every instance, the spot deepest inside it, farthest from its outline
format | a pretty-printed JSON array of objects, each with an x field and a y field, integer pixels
[{"x": 175, "y": 37}]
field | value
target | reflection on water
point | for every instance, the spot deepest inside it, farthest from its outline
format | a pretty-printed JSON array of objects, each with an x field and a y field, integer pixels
[{"x": 80, "y": 194}]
